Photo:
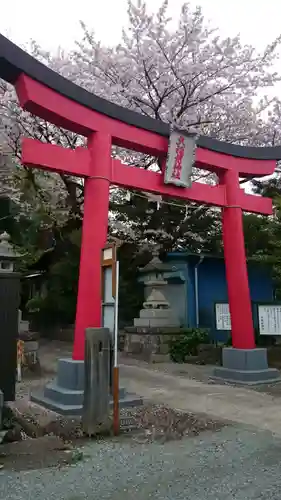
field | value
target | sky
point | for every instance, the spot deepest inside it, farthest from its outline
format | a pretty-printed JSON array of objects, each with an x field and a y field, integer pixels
[{"x": 56, "y": 22}]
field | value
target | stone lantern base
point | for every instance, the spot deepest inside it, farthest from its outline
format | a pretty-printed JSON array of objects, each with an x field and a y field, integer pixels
[{"x": 150, "y": 344}]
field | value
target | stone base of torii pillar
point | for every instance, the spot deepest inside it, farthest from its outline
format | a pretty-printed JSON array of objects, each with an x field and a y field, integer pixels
[
  {"x": 245, "y": 366},
  {"x": 65, "y": 394}
]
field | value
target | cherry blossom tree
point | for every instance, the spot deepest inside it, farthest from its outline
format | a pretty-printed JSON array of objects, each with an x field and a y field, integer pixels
[
  {"x": 50, "y": 194},
  {"x": 188, "y": 74}
]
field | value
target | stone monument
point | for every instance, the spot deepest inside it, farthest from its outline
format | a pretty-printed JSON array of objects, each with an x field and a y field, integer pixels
[{"x": 148, "y": 338}]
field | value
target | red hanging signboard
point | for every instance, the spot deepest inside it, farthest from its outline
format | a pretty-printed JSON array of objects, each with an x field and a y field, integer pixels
[{"x": 180, "y": 158}]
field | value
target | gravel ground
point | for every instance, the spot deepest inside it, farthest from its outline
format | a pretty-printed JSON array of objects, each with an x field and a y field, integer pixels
[
  {"x": 175, "y": 455},
  {"x": 37, "y": 445},
  {"x": 232, "y": 464},
  {"x": 31, "y": 454},
  {"x": 147, "y": 423}
]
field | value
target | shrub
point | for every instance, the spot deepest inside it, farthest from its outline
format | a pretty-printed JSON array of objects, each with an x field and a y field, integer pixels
[{"x": 186, "y": 344}]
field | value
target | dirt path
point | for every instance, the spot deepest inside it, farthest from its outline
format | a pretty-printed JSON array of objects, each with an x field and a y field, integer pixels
[
  {"x": 183, "y": 387},
  {"x": 240, "y": 405}
]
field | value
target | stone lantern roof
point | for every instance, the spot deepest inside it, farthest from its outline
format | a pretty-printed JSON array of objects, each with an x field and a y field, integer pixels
[{"x": 155, "y": 265}]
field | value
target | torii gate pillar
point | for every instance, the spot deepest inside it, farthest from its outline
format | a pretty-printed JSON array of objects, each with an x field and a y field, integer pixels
[{"x": 242, "y": 363}]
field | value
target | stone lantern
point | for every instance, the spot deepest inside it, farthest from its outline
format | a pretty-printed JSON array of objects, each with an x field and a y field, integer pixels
[
  {"x": 149, "y": 336},
  {"x": 156, "y": 310},
  {"x": 9, "y": 305},
  {"x": 7, "y": 254}
]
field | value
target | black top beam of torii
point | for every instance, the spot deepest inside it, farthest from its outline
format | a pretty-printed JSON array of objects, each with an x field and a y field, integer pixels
[{"x": 14, "y": 61}]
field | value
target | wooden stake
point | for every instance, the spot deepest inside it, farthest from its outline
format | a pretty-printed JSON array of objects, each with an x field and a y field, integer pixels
[{"x": 116, "y": 400}]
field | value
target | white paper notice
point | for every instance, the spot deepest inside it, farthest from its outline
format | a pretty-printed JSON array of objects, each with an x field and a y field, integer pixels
[
  {"x": 223, "y": 321},
  {"x": 269, "y": 319}
]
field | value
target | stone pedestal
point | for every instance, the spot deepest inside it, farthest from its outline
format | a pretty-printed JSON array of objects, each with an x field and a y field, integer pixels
[
  {"x": 156, "y": 318},
  {"x": 65, "y": 394},
  {"x": 150, "y": 344},
  {"x": 246, "y": 366}
]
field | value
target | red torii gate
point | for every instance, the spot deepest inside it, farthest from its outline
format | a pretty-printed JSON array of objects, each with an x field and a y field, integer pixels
[
  {"x": 50, "y": 96},
  {"x": 98, "y": 168}
]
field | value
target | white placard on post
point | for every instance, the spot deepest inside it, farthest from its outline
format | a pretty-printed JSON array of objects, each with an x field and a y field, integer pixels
[
  {"x": 223, "y": 321},
  {"x": 269, "y": 319}
]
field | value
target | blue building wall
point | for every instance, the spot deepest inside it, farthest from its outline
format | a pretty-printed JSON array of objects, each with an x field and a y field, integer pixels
[
  {"x": 212, "y": 288},
  {"x": 178, "y": 276}
]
